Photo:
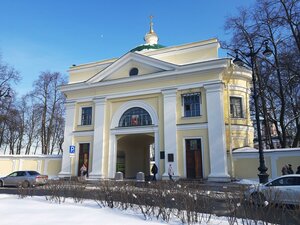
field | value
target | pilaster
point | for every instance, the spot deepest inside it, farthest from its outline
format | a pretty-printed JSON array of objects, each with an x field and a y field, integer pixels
[
  {"x": 216, "y": 133},
  {"x": 68, "y": 139},
  {"x": 98, "y": 146},
  {"x": 170, "y": 137}
]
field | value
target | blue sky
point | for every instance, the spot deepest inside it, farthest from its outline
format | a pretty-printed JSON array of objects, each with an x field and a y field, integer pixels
[{"x": 41, "y": 35}]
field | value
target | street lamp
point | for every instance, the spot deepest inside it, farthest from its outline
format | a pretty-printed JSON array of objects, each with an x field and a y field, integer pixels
[{"x": 263, "y": 176}]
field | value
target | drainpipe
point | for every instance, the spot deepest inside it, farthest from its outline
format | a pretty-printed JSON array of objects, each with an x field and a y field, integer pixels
[{"x": 229, "y": 121}]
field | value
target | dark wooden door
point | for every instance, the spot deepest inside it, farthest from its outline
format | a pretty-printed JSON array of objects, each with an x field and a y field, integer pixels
[
  {"x": 193, "y": 158},
  {"x": 84, "y": 153}
]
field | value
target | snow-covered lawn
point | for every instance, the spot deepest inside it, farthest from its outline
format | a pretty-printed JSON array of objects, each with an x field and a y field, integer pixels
[{"x": 38, "y": 211}]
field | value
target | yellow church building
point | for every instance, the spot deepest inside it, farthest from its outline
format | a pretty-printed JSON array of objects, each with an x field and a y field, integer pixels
[{"x": 181, "y": 106}]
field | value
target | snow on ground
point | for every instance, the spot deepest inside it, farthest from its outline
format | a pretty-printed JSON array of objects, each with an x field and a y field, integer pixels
[
  {"x": 38, "y": 211},
  {"x": 246, "y": 181}
]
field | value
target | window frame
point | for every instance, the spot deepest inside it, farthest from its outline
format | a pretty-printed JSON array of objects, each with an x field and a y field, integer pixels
[
  {"x": 183, "y": 105},
  {"x": 241, "y": 105},
  {"x": 129, "y": 119},
  {"x": 81, "y": 119}
]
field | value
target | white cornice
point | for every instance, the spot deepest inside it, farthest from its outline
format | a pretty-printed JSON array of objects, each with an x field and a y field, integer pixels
[
  {"x": 131, "y": 57},
  {"x": 213, "y": 65},
  {"x": 147, "y": 91},
  {"x": 192, "y": 126},
  {"x": 83, "y": 133},
  {"x": 134, "y": 130}
]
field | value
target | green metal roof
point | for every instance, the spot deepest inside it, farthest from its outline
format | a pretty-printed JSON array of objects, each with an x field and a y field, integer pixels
[{"x": 147, "y": 47}]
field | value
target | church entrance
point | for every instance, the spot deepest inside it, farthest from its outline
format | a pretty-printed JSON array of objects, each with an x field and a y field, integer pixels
[
  {"x": 135, "y": 153},
  {"x": 193, "y": 158},
  {"x": 83, "y": 158}
]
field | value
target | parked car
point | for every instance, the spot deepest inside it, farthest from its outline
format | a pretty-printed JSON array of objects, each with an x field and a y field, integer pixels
[
  {"x": 282, "y": 190},
  {"x": 24, "y": 179}
]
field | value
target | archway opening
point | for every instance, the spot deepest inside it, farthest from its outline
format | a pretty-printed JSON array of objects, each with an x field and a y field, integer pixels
[{"x": 135, "y": 153}]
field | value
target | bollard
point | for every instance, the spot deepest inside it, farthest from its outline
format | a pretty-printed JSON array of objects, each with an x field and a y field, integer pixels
[{"x": 119, "y": 176}]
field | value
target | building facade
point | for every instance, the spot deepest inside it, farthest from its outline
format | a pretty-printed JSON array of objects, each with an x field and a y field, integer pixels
[{"x": 179, "y": 105}]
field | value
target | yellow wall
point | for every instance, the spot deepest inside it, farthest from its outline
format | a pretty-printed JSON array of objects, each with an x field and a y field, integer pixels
[
  {"x": 181, "y": 135},
  {"x": 6, "y": 166},
  {"x": 48, "y": 165},
  {"x": 246, "y": 162}
]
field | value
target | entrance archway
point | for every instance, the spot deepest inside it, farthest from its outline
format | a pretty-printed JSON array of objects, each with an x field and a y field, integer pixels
[
  {"x": 134, "y": 154},
  {"x": 134, "y": 119}
]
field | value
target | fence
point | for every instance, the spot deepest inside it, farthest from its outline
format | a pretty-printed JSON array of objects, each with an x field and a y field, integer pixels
[
  {"x": 246, "y": 161},
  {"x": 45, "y": 164}
]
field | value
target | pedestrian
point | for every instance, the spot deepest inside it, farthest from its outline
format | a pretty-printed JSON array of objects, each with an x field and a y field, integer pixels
[
  {"x": 298, "y": 170},
  {"x": 284, "y": 170},
  {"x": 83, "y": 170},
  {"x": 154, "y": 171},
  {"x": 290, "y": 169},
  {"x": 171, "y": 172}
]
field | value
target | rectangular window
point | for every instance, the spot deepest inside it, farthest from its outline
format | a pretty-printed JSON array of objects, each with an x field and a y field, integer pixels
[
  {"x": 236, "y": 109},
  {"x": 86, "y": 116},
  {"x": 191, "y": 104},
  {"x": 193, "y": 144}
]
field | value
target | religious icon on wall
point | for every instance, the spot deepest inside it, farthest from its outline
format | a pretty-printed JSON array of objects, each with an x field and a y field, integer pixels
[{"x": 135, "y": 120}]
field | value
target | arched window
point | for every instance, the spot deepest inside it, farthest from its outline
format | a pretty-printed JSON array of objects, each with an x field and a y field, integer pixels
[
  {"x": 135, "y": 116},
  {"x": 133, "y": 72}
]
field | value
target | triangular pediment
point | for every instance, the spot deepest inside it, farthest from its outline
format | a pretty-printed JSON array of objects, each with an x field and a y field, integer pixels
[{"x": 121, "y": 68}]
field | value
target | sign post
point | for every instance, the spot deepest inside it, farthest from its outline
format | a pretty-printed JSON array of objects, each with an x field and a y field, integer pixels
[{"x": 72, "y": 155}]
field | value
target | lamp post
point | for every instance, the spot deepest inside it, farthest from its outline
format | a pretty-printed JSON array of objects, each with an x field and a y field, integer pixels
[{"x": 263, "y": 176}]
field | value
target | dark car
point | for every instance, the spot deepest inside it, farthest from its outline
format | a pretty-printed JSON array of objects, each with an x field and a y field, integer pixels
[{"x": 26, "y": 178}]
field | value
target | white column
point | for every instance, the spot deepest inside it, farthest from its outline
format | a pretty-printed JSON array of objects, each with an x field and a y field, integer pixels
[
  {"x": 112, "y": 160},
  {"x": 157, "y": 153},
  {"x": 216, "y": 133},
  {"x": 170, "y": 137},
  {"x": 98, "y": 146},
  {"x": 68, "y": 139}
]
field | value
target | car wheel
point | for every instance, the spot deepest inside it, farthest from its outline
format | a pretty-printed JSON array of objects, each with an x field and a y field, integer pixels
[
  {"x": 1, "y": 183},
  {"x": 258, "y": 199},
  {"x": 25, "y": 184}
]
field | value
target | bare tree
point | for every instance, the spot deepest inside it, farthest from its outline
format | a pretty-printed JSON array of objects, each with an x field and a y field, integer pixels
[
  {"x": 278, "y": 77},
  {"x": 49, "y": 103},
  {"x": 8, "y": 76}
]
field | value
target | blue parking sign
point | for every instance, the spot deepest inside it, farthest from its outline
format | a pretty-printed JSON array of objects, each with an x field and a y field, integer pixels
[{"x": 72, "y": 149}]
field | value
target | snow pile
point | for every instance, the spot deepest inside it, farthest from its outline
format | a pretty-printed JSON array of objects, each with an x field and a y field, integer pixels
[{"x": 37, "y": 210}]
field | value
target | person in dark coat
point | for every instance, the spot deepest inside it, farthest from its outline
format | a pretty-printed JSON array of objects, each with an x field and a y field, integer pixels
[
  {"x": 290, "y": 169},
  {"x": 154, "y": 170},
  {"x": 298, "y": 170},
  {"x": 284, "y": 170}
]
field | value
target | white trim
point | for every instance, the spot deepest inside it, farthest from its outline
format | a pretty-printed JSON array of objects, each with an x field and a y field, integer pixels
[
  {"x": 217, "y": 65},
  {"x": 134, "y": 130},
  {"x": 181, "y": 127},
  {"x": 149, "y": 91},
  {"x": 39, "y": 166},
  {"x": 240, "y": 127},
  {"x": 184, "y": 154},
  {"x": 130, "y": 56},
  {"x": 83, "y": 133},
  {"x": 130, "y": 104},
  {"x": 233, "y": 87}
]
